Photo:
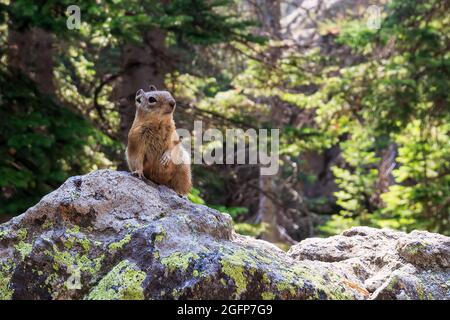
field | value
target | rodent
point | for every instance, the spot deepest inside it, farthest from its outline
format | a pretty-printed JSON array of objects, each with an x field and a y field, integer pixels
[{"x": 154, "y": 149}]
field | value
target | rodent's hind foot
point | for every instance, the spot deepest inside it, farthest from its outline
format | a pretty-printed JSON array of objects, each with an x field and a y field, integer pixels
[{"x": 139, "y": 174}]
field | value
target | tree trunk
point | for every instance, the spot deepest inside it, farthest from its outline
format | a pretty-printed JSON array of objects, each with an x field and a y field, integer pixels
[
  {"x": 279, "y": 203},
  {"x": 269, "y": 14},
  {"x": 385, "y": 178},
  {"x": 31, "y": 52},
  {"x": 267, "y": 209},
  {"x": 43, "y": 60}
]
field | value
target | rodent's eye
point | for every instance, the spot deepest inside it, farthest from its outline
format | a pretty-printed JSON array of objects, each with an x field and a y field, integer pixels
[{"x": 151, "y": 100}]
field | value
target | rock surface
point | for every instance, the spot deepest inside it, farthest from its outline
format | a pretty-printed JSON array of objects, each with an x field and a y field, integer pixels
[
  {"x": 109, "y": 235},
  {"x": 388, "y": 264}
]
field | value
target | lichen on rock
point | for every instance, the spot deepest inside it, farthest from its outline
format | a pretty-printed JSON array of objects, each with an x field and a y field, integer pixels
[
  {"x": 109, "y": 235},
  {"x": 119, "y": 244},
  {"x": 178, "y": 261},
  {"x": 6, "y": 292},
  {"x": 235, "y": 267},
  {"x": 123, "y": 282}
]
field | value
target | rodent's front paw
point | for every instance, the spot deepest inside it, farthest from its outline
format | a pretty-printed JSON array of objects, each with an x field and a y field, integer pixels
[
  {"x": 138, "y": 173},
  {"x": 165, "y": 158}
]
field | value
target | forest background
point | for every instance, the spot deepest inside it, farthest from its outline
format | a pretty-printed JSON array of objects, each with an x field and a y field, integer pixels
[{"x": 361, "y": 101}]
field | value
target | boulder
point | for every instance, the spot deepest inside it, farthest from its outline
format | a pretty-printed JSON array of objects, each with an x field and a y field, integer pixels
[
  {"x": 388, "y": 264},
  {"x": 109, "y": 235}
]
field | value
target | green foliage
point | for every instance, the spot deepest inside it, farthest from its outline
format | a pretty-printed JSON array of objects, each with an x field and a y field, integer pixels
[
  {"x": 337, "y": 223},
  {"x": 397, "y": 95},
  {"x": 195, "y": 197},
  {"x": 44, "y": 141},
  {"x": 42, "y": 144},
  {"x": 393, "y": 94},
  {"x": 421, "y": 199},
  {"x": 248, "y": 229},
  {"x": 234, "y": 212},
  {"x": 357, "y": 181},
  {"x": 204, "y": 22},
  {"x": 388, "y": 90}
]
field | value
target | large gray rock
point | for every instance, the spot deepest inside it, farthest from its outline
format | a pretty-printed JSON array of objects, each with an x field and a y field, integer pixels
[
  {"x": 109, "y": 235},
  {"x": 388, "y": 264}
]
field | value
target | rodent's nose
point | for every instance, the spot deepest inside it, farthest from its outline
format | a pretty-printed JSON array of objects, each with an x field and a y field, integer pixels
[{"x": 172, "y": 103}]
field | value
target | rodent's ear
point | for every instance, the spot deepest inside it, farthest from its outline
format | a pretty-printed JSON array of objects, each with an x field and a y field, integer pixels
[
  {"x": 153, "y": 88},
  {"x": 139, "y": 95},
  {"x": 139, "y": 92}
]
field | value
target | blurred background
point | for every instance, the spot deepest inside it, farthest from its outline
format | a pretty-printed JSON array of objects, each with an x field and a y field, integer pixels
[{"x": 358, "y": 89}]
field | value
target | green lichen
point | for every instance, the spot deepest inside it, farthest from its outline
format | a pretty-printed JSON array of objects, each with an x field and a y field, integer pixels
[
  {"x": 23, "y": 248},
  {"x": 160, "y": 237},
  {"x": 51, "y": 279},
  {"x": 74, "y": 230},
  {"x": 75, "y": 260},
  {"x": 413, "y": 249},
  {"x": 179, "y": 260},
  {"x": 175, "y": 294},
  {"x": 128, "y": 226},
  {"x": 48, "y": 224},
  {"x": 21, "y": 234},
  {"x": 132, "y": 227},
  {"x": 86, "y": 244},
  {"x": 3, "y": 233},
  {"x": 76, "y": 256},
  {"x": 262, "y": 257},
  {"x": 237, "y": 274},
  {"x": 327, "y": 284},
  {"x": 286, "y": 285},
  {"x": 392, "y": 283},
  {"x": 324, "y": 284},
  {"x": 234, "y": 266},
  {"x": 119, "y": 244},
  {"x": 195, "y": 273},
  {"x": 71, "y": 242},
  {"x": 266, "y": 279},
  {"x": 268, "y": 296},
  {"x": 422, "y": 294},
  {"x": 123, "y": 282},
  {"x": 6, "y": 292}
]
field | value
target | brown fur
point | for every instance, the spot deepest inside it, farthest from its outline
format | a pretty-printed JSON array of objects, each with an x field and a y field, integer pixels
[{"x": 151, "y": 137}]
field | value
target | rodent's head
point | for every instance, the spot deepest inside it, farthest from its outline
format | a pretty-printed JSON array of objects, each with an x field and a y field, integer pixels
[{"x": 158, "y": 103}]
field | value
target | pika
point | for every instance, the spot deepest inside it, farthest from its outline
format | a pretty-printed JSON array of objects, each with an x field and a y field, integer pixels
[{"x": 154, "y": 149}]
